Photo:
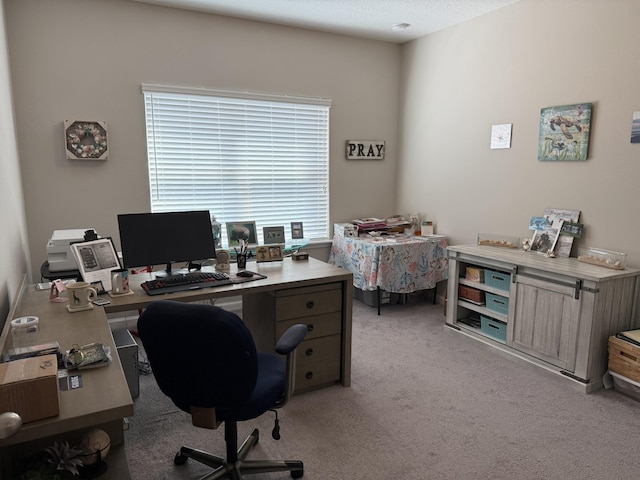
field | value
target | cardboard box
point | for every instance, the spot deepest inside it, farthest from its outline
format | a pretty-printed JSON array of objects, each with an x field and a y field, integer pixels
[
  {"x": 624, "y": 358},
  {"x": 29, "y": 387}
]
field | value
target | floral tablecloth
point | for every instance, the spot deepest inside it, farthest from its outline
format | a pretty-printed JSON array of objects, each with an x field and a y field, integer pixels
[{"x": 395, "y": 266}]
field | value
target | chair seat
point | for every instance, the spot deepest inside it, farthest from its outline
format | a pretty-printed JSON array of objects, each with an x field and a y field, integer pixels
[{"x": 270, "y": 388}]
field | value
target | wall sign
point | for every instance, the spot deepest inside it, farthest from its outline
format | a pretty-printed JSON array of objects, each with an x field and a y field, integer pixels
[{"x": 365, "y": 149}]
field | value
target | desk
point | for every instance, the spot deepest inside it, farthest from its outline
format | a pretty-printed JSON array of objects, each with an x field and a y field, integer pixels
[
  {"x": 310, "y": 292},
  {"x": 397, "y": 267},
  {"x": 102, "y": 402}
]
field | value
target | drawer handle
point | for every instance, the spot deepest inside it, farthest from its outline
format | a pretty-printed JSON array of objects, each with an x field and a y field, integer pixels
[
  {"x": 499, "y": 302},
  {"x": 308, "y": 352},
  {"x": 631, "y": 357},
  {"x": 308, "y": 375},
  {"x": 310, "y": 304},
  {"x": 310, "y": 327}
]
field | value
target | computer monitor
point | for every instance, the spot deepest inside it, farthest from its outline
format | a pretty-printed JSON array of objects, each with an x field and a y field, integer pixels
[{"x": 149, "y": 239}]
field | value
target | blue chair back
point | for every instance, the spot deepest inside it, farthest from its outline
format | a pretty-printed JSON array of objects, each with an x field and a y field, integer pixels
[{"x": 201, "y": 355}]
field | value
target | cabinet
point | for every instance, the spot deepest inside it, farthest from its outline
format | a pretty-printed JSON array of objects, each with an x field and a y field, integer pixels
[
  {"x": 320, "y": 308},
  {"x": 554, "y": 312}
]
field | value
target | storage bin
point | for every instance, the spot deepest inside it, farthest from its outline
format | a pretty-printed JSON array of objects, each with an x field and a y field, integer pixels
[
  {"x": 370, "y": 297},
  {"x": 493, "y": 328},
  {"x": 625, "y": 385},
  {"x": 471, "y": 294},
  {"x": 496, "y": 279},
  {"x": 624, "y": 358},
  {"x": 497, "y": 303}
]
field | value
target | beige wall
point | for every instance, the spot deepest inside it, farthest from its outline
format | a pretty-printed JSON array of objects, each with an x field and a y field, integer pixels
[
  {"x": 503, "y": 68},
  {"x": 86, "y": 59},
  {"x": 14, "y": 261}
]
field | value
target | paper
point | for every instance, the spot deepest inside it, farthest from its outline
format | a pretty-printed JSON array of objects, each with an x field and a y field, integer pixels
[{"x": 95, "y": 260}]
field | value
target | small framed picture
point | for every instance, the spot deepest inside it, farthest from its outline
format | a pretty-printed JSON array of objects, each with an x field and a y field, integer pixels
[
  {"x": 245, "y": 231},
  {"x": 273, "y": 235},
  {"x": 97, "y": 285},
  {"x": 296, "y": 230},
  {"x": 269, "y": 253}
]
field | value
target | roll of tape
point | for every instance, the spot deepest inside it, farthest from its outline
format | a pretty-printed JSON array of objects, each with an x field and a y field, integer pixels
[{"x": 26, "y": 323}]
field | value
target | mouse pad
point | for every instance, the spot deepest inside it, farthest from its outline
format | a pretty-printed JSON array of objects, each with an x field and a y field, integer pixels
[{"x": 236, "y": 279}]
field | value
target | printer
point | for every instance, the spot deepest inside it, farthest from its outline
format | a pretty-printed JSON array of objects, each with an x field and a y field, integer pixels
[{"x": 59, "y": 253}]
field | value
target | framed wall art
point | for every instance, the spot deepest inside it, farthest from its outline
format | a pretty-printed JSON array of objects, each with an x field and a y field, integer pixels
[
  {"x": 273, "y": 235},
  {"x": 85, "y": 140},
  {"x": 501, "y": 136},
  {"x": 564, "y": 132},
  {"x": 245, "y": 231}
]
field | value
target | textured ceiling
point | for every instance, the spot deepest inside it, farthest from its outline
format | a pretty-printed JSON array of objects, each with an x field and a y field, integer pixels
[{"x": 373, "y": 19}]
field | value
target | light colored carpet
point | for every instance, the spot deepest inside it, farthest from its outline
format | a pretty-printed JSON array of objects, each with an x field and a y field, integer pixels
[{"x": 425, "y": 403}]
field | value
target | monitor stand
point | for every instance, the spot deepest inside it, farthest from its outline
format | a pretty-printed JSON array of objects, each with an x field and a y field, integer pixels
[{"x": 169, "y": 271}]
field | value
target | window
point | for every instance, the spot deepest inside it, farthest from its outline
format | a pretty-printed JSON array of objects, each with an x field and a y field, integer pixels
[{"x": 242, "y": 156}]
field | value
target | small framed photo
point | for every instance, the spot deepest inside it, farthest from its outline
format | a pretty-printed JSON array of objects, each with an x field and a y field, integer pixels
[
  {"x": 296, "y": 230},
  {"x": 245, "y": 231},
  {"x": 269, "y": 253},
  {"x": 273, "y": 235},
  {"x": 97, "y": 285}
]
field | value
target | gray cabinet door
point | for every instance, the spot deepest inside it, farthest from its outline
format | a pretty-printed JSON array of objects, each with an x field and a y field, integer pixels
[{"x": 546, "y": 319}]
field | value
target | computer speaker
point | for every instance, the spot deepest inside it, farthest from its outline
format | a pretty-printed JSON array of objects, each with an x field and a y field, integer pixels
[{"x": 223, "y": 258}]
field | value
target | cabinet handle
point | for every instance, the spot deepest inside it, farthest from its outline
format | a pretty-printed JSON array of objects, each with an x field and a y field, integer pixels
[
  {"x": 310, "y": 304},
  {"x": 308, "y": 375},
  {"x": 308, "y": 352},
  {"x": 310, "y": 327}
]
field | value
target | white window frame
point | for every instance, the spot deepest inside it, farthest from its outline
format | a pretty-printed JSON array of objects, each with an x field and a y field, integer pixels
[{"x": 242, "y": 156}]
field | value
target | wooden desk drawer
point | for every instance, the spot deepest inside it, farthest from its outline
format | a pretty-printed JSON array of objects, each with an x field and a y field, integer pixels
[
  {"x": 307, "y": 304},
  {"x": 317, "y": 362},
  {"x": 317, "y": 325}
]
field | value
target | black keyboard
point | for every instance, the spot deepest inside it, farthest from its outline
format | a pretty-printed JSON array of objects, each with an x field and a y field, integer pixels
[{"x": 188, "y": 281}]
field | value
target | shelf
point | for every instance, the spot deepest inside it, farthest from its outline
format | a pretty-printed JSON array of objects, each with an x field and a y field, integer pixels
[
  {"x": 484, "y": 287},
  {"x": 483, "y": 310}
]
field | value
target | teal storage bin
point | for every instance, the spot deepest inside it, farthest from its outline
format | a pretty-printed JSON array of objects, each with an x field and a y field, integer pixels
[
  {"x": 496, "y": 279},
  {"x": 497, "y": 303},
  {"x": 493, "y": 328}
]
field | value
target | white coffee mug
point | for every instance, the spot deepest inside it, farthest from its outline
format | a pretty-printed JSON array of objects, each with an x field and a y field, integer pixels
[
  {"x": 120, "y": 281},
  {"x": 80, "y": 295}
]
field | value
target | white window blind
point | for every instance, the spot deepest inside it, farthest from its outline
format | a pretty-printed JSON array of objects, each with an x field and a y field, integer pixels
[{"x": 242, "y": 156}]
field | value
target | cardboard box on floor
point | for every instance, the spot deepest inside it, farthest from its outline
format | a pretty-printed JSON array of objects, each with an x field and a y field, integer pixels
[{"x": 29, "y": 387}]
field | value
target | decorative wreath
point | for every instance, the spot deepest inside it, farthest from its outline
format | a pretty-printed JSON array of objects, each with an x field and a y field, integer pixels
[{"x": 86, "y": 140}]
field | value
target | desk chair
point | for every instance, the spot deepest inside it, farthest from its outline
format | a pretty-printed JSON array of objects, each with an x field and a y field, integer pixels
[{"x": 204, "y": 359}]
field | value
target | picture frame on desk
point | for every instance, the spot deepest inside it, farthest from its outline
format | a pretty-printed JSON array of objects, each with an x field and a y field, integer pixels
[
  {"x": 269, "y": 253},
  {"x": 296, "y": 230},
  {"x": 273, "y": 235},
  {"x": 245, "y": 230}
]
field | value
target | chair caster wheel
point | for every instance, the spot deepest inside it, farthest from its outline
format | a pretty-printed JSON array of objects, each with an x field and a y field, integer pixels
[
  {"x": 297, "y": 473},
  {"x": 180, "y": 459}
]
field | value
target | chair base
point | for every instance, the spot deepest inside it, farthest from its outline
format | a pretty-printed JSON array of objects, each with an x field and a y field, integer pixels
[{"x": 235, "y": 466}]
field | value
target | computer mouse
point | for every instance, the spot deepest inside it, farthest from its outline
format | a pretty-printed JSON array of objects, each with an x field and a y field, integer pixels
[{"x": 245, "y": 273}]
